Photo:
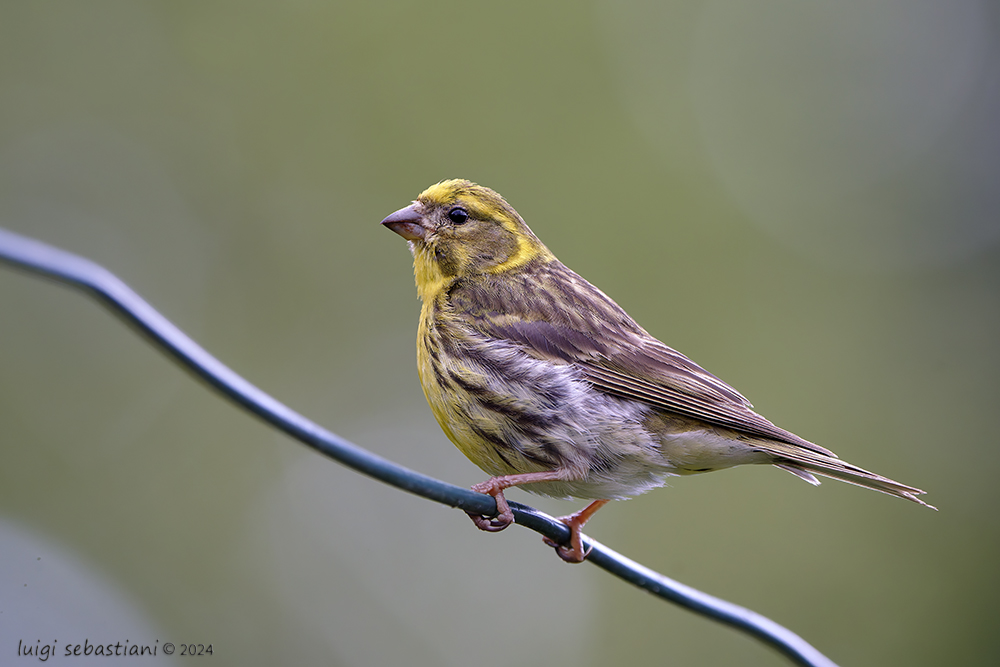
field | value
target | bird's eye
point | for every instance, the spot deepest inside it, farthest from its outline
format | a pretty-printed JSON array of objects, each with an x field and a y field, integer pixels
[{"x": 458, "y": 215}]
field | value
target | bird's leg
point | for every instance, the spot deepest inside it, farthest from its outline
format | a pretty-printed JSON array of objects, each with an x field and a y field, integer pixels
[
  {"x": 495, "y": 486},
  {"x": 574, "y": 553}
]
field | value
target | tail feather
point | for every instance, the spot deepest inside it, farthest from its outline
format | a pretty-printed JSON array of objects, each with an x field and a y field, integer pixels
[
  {"x": 799, "y": 472},
  {"x": 803, "y": 463}
]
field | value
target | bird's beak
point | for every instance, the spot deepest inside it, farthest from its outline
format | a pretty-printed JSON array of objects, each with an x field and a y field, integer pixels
[{"x": 407, "y": 223}]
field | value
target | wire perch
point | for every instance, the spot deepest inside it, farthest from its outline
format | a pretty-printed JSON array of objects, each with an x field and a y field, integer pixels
[{"x": 51, "y": 262}]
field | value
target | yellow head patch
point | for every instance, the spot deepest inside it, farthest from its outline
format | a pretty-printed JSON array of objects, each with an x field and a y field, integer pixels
[{"x": 495, "y": 240}]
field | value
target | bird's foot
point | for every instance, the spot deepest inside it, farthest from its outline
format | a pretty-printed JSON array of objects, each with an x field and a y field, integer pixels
[
  {"x": 504, "y": 517},
  {"x": 572, "y": 551}
]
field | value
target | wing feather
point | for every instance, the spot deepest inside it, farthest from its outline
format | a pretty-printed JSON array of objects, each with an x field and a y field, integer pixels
[{"x": 554, "y": 314}]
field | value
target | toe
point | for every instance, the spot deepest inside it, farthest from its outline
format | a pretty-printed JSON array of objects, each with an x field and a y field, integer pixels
[{"x": 494, "y": 525}]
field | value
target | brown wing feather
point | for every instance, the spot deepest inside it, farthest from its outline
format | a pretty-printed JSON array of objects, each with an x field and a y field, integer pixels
[{"x": 555, "y": 314}]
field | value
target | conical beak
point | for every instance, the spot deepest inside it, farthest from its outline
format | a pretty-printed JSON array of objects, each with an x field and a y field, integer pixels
[{"x": 406, "y": 223}]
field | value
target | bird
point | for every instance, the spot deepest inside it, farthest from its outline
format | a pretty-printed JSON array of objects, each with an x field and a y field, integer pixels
[{"x": 547, "y": 384}]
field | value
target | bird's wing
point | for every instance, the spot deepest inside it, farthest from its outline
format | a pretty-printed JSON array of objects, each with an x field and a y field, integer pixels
[{"x": 613, "y": 352}]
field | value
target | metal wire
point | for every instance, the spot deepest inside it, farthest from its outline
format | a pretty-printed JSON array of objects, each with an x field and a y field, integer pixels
[{"x": 50, "y": 262}]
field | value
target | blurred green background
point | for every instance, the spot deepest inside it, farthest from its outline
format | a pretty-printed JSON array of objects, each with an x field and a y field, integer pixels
[{"x": 803, "y": 197}]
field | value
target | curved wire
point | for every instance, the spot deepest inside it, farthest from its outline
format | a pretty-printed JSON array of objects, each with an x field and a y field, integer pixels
[{"x": 65, "y": 267}]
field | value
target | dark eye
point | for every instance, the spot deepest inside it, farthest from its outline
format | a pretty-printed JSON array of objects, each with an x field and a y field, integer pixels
[{"x": 458, "y": 215}]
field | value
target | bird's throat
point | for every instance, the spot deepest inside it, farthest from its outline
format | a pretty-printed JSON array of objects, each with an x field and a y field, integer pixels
[{"x": 427, "y": 273}]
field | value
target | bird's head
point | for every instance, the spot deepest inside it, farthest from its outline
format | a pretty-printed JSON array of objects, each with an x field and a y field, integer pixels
[{"x": 458, "y": 229}]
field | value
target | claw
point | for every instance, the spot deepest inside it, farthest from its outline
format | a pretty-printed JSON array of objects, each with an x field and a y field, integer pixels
[{"x": 573, "y": 553}]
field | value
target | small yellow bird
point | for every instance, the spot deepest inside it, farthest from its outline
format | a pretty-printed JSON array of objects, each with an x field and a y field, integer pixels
[{"x": 544, "y": 382}]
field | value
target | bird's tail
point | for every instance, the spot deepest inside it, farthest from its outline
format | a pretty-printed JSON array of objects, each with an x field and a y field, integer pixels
[{"x": 803, "y": 463}]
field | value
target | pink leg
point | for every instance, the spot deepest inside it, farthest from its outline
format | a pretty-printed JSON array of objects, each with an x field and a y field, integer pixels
[{"x": 495, "y": 487}]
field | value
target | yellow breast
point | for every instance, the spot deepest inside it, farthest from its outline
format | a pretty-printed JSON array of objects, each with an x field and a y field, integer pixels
[{"x": 456, "y": 410}]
